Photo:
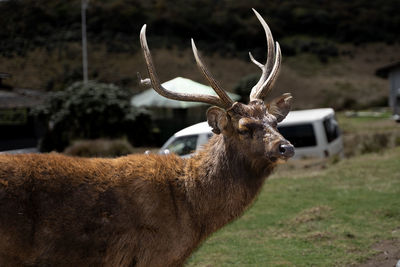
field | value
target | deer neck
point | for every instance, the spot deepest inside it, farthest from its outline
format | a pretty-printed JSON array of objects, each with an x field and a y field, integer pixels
[{"x": 223, "y": 183}]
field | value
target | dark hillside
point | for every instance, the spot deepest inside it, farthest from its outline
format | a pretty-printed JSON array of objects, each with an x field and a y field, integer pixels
[
  {"x": 331, "y": 49},
  {"x": 223, "y": 25}
]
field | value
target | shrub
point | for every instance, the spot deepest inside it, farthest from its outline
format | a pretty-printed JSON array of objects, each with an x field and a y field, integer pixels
[
  {"x": 375, "y": 143},
  {"x": 362, "y": 143},
  {"x": 87, "y": 111}
]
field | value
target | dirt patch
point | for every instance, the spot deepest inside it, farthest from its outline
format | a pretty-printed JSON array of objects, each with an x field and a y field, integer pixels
[
  {"x": 319, "y": 236},
  {"x": 388, "y": 254},
  {"x": 312, "y": 214}
]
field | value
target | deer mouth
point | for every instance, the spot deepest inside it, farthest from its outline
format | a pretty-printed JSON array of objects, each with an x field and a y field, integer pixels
[{"x": 279, "y": 160}]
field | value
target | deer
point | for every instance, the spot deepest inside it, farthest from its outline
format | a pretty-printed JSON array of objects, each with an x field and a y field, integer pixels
[{"x": 145, "y": 210}]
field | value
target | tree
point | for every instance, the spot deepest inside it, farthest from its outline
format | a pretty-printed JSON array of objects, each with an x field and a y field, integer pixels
[{"x": 89, "y": 111}]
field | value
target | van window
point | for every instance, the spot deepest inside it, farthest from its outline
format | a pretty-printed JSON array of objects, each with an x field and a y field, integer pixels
[
  {"x": 301, "y": 135},
  {"x": 331, "y": 129},
  {"x": 183, "y": 145}
]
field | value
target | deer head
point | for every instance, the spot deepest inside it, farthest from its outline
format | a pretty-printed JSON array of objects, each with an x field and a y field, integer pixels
[{"x": 251, "y": 128}]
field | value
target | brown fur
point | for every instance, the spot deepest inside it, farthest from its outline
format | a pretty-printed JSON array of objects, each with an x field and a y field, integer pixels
[
  {"x": 138, "y": 210},
  {"x": 143, "y": 210}
]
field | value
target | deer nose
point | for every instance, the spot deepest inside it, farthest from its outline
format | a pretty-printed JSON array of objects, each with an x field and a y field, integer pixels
[{"x": 286, "y": 150}]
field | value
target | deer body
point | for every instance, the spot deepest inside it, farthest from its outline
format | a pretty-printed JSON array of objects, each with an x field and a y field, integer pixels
[
  {"x": 120, "y": 214},
  {"x": 123, "y": 212},
  {"x": 144, "y": 210}
]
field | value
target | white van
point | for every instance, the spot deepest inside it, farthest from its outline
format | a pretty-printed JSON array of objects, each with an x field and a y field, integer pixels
[
  {"x": 314, "y": 133},
  {"x": 188, "y": 140}
]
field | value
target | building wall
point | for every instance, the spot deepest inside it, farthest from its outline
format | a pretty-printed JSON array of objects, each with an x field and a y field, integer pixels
[{"x": 394, "y": 93}]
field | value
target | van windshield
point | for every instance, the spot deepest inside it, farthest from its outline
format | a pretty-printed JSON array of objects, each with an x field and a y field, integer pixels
[
  {"x": 300, "y": 135},
  {"x": 183, "y": 145},
  {"x": 331, "y": 129}
]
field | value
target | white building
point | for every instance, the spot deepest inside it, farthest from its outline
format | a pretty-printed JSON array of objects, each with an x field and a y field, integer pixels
[{"x": 393, "y": 73}]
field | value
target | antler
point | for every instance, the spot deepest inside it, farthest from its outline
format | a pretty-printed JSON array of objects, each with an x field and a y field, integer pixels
[
  {"x": 222, "y": 101},
  {"x": 220, "y": 92},
  {"x": 270, "y": 69}
]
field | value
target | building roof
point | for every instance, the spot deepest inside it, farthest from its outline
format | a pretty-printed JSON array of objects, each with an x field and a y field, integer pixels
[
  {"x": 383, "y": 72},
  {"x": 20, "y": 98},
  {"x": 151, "y": 98},
  {"x": 4, "y": 75}
]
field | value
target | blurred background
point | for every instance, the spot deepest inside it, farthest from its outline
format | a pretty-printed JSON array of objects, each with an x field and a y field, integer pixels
[{"x": 336, "y": 54}]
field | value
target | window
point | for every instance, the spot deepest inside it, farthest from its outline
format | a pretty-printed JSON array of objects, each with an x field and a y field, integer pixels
[
  {"x": 301, "y": 135},
  {"x": 331, "y": 129},
  {"x": 183, "y": 145}
]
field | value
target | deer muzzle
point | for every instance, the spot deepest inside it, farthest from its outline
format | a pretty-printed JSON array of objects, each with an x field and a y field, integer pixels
[{"x": 285, "y": 150}]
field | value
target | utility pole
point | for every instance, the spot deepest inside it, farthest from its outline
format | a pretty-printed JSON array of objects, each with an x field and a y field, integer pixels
[{"x": 84, "y": 41}]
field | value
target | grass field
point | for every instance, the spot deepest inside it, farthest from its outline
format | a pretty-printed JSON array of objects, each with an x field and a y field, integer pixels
[
  {"x": 367, "y": 121},
  {"x": 368, "y": 131},
  {"x": 326, "y": 217}
]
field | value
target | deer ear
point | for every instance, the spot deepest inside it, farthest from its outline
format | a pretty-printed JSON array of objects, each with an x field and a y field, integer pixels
[
  {"x": 217, "y": 119},
  {"x": 280, "y": 106}
]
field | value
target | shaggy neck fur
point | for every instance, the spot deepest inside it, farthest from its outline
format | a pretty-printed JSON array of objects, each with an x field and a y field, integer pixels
[{"x": 224, "y": 183}]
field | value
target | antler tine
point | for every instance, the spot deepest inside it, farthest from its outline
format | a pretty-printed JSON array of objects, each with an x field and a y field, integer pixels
[
  {"x": 271, "y": 68},
  {"x": 220, "y": 92},
  {"x": 143, "y": 82},
  {"x": 268, "y": 84},
  {"x": 155, "y": 82}
]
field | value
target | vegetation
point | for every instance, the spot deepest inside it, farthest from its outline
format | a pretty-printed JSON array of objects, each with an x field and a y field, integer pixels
[
  {"x": 368, "y": 131},
  {"x": 242, "y": 88},
  {"x": 90, "y": 111},
  {"x": 329, "y": 217},
  {"x": 40, "y": 44},
  {"x": 51, "y": 24}
]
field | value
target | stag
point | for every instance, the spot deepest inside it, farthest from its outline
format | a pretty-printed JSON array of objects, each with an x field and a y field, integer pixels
[{"x": 144, "y": 210}]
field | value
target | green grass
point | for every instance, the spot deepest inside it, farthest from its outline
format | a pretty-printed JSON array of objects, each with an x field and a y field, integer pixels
[
  {"x": 327, "y": 217},
  {"x": 368, "y": 132},
  {"x": 367, "y": 124}
]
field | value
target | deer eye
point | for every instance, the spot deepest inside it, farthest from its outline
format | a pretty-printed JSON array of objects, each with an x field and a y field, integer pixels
[
  {"x": 247, "y": 126},
  {"x": 244, "y": 131}
]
